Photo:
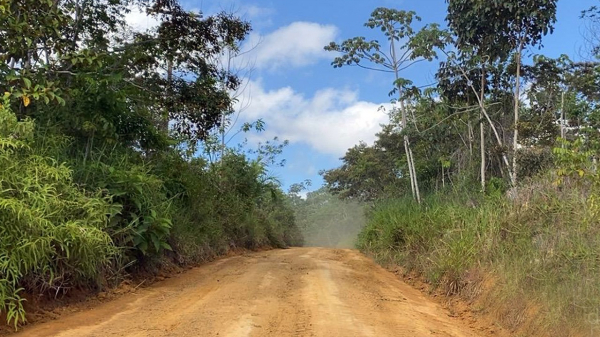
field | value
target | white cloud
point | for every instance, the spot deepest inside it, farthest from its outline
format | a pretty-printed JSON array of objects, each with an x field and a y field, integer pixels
[
  {"x": 237, "y": 7},
  {"x": 139, "y": 20},
  {"x": 298, "y": 44},
  {"x": 255, "y": 12},
  {"x": 330, "y": 122},
  {"x": 259, "y": 17}
]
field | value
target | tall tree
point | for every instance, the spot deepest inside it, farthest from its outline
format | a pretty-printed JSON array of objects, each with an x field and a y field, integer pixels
[
  {"x": 368, "y": 173},
  {"x": 113, "y": 80},
  {"x": 500, "y": 29},
  {"x": 396, "y": 27}
]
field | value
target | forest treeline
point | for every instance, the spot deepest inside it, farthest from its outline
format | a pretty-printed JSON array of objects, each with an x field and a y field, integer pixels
[
  {"x": 485, "y": 183},
  {"x": 110, "y": 153}
]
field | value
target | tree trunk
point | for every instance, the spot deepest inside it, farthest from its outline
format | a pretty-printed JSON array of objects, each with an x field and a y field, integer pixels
[
  {"x": 409, "y": 158},
  {"x": 164, "y": 120},
  {"x": 223, "y": 114},
  {"x": 562, "y": 115},
  {"x": 487, "y": 117},
  {"x": 412, "y": 182},
  {"x": 471, "y": 137},
  {"x": 443, "y": 178},
  {"x": 516, "y": 126},
  {"x": 414, "y": 172},
  {"x": 482, "y": 131}
]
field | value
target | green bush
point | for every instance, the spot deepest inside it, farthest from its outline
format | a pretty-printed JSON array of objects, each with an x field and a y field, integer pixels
[
  {"x": 224, "y": 205},
  {"x": 75, "y": 214},
  {"x": 52, "y": 232},
  {"x": 144, "y": 222}
]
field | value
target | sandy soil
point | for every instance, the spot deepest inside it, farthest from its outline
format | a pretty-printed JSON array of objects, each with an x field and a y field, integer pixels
[{"x": 293, "y": 292}]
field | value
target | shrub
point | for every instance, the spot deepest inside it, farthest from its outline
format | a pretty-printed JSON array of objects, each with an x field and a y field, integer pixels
[
  {"x": 52, "y": 232},
  {"x": 144, "y": 222}
]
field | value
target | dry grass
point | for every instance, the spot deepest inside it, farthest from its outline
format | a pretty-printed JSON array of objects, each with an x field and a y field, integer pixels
[{"x": 531, "y": 262}]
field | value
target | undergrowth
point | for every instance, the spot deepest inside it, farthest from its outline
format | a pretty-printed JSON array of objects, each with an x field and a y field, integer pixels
[
  {"x": 83, "y": 216},
  {"x": 53, "y": 232},
  {"x": 538, "y": 251}
]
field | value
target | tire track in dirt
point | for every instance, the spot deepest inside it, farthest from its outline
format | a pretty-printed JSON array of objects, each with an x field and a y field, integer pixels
[{"x": 292, "y": 292}]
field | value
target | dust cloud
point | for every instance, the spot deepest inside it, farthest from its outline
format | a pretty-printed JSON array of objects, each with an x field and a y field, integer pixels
[{"x": 327, "y": 221}]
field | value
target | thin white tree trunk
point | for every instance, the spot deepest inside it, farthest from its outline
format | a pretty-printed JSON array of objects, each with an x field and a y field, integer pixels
[
  {"x": 443, "y": 178},
  {"x": 412, "y": 182},
  {"x": 471, "y": 137},
  {"x": 562, "y": 115},
  {"x": 409, "y": 158},
  {"x": 516, "y": 126},
  {"x": 482, "y": 139},
  {"x": 414, "y": 172},
  {"x": 492, "y": 126},
  {"x": 482, "y": 131}
]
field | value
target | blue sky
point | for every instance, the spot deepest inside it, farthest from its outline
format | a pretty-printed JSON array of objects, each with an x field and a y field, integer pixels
[{"x": 323, "y": 111}]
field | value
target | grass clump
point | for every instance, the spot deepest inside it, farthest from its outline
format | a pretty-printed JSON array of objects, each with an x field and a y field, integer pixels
[{"x": 539, "y": 250}]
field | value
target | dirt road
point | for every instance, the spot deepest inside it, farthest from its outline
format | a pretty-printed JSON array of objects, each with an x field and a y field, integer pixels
[{"x": 293, "y": 292}]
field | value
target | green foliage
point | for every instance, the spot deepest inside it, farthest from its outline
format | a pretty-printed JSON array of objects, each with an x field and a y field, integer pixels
[
  {"x": 52, "y": 232},
  {"x": 574, "y": 161},
  {"x": 541, "y": 244},
  {"x": 145, "y": 219},
  {"x": 368, "y": 173},
  {"x": 396, "y": 25},
  {"x": 99, "y": 186},
  {"x": 400, "y": 230},
  {"x": 251, "y": 208},
  {"x": 110, "y": 82},
  {"x": 226, "y": 205},
  {"x": 497, "y": 27}
]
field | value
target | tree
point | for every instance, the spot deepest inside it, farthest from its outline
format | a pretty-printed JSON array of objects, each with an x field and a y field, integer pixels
[
  {"x": 396, "y": 27},
  {"x": 368, "y": 173},
  {"x": 98, "y": 124},
  {"x": 591, "y": 50},
  {"x": 194, "y": 94},
  {"x": 76, "y": 50},
  {"x": 460, "y": 87},
  {"x": 499, "y": 29}
]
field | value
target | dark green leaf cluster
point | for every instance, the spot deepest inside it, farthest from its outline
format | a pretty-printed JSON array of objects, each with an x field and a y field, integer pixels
[{"x": 497, "y": 27}]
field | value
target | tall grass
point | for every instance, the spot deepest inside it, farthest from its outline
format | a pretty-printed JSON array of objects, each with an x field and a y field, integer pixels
[
  {"x": 52, "y": 232},
  {"x": 533, "y": 261}
]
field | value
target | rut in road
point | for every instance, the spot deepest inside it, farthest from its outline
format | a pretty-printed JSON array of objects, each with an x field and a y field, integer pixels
[{"x": 292, "y": 292}]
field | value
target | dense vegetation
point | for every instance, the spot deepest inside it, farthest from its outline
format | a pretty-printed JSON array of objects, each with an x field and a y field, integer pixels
[
  {"x": 108, "y": 140},
  {"x": 485, "y": 183}
]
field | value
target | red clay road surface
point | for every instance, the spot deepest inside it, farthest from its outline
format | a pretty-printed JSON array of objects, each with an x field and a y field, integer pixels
[{"x": 292, "y": 292}]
